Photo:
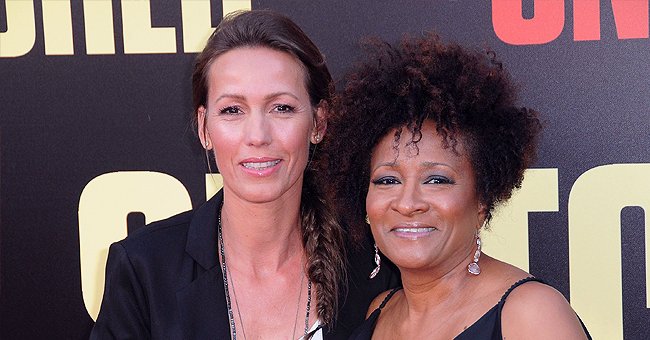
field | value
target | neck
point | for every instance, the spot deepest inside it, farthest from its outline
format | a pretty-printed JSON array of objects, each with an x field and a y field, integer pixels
[
  {"x": 262, "y": 237},
  {"x": 427, "y": 290}
]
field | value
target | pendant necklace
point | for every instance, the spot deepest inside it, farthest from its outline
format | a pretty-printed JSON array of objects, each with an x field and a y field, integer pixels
[{"x": 231, "y": 318}]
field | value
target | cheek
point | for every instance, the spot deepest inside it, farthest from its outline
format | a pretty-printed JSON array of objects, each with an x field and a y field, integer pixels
[
  {"x": 463, "y": 210},
  {"x": 224, "y": 141},
  {"x": 296, "y": 139},
  {"x": 376, "y": 205}
]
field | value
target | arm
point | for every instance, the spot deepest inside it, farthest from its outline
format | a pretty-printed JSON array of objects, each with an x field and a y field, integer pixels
[
  {"x": 537, "y": 311},
  {"x": 124, "y": 312}
]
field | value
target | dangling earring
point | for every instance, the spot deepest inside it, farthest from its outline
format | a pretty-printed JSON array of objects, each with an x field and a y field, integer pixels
[
  {"x": 377, "y": 262},
  {"x": 473, "y": 267}
]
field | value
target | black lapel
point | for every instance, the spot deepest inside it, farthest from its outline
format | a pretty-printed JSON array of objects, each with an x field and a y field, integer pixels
[
  {"x": 202, "y": 304},
  {"x": 202, "y": 307}
]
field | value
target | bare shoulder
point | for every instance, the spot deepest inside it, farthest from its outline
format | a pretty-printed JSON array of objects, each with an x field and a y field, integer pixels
[
  {"x": 537, "y": 311},
  {"x": 376, "y": 302}
]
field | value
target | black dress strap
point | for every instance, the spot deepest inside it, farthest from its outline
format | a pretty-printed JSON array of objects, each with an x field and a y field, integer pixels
[
  {"x": 390, "y": 295},
  {"x": 515, "y": 285},
  {"x": 365, "y": 330}
]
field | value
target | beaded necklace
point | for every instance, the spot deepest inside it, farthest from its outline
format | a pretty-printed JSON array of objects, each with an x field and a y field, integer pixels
[{"x": 231, "y": 318}]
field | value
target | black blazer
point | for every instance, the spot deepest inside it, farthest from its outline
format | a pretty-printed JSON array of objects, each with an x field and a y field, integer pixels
[{"x": 164, "y": 282}]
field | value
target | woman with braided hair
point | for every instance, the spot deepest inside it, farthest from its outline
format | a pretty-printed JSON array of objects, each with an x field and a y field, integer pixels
[{"x": 265, "y": 257}]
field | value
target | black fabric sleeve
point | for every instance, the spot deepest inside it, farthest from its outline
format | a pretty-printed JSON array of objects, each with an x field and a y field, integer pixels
[{"x": 124, "y": 312}]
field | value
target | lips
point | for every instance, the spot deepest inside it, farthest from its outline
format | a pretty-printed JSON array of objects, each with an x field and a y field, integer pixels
[
  {"x": 413, "y": 232},
  {"x": 414, "y": 229},
  {"x": 260, "y": 165}
]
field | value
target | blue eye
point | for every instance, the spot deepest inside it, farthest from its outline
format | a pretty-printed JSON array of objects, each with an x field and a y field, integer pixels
[
  {"x": 284, "y": 108},
  {"x": 230, "y": 110},
  {"x": 438, "y": 180},
  {"x": 388, "y": 180}
]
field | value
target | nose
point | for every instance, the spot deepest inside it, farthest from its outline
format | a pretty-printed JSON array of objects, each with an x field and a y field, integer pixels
[
  {"x": 410, "y": 200},
  {"x": 257, "y": 129}
]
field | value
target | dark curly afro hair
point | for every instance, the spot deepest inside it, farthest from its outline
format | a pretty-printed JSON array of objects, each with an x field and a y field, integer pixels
[{"x": 466, "y": 94}]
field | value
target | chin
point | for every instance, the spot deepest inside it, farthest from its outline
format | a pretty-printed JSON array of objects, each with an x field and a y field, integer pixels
[
  {"x": 409, "y": 262},
  {"x": 260, "y": 196}
]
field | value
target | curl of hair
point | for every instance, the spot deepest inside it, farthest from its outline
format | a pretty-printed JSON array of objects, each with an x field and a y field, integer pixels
[
  {"x": 322, "y": 236},
  {"x": 468, "y": 95}
]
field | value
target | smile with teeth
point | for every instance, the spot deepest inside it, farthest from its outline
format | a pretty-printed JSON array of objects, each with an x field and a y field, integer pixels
[
  {"x": 414, "y": 230},
  {"x": 260, "y": 165}
]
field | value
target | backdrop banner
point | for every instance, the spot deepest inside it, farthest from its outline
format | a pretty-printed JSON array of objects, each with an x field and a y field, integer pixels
[{"x": 95, "y": 139}]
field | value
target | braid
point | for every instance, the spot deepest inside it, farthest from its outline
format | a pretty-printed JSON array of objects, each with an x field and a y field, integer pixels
[{"x": 322, "y": 238}]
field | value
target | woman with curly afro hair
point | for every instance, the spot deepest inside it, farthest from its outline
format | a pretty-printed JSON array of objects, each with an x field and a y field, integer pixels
[{"x": 427, "y": 141}]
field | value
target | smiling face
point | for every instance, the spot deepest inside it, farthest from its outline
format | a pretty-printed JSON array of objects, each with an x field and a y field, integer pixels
[
  {"x": 422, "y": 206},
  {"x": 259, "y": 121}
]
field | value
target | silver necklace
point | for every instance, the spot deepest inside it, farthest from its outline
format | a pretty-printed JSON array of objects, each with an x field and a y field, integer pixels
[{"x": 231, "y": 318}]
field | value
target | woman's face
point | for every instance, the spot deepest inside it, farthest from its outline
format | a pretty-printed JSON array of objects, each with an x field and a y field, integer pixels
[
  {"x": 423, "y": 207},
  {"x": 259, "y": 122}
]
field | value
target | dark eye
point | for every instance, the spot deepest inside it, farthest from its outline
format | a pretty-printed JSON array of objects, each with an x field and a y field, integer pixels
[
  {"x": 284, "y": 108},
  {"x": 230, "y": 110},
  {"x": 388, "y": 180},
  {"x": 438, "y": 180}
]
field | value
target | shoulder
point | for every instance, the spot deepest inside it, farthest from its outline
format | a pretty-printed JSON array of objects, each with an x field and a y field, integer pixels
[
  {"x": 536, "y": 310},
  {"x": 156, "y": 248},
  {"x": 160, "y": 234},
  {"x": 199, "y": 223},
  {"x": 377, "y": 302}
]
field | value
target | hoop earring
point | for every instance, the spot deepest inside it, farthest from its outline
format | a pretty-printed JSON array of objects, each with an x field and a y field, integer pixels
[
  {"x": 473, "y": 267},
  {"x": 377, "y": 262}
]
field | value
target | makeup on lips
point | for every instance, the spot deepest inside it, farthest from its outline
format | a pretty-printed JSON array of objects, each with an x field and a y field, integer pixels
[
  {"x": 260, "y": 166},
  {"x": 412, "y": 231}
]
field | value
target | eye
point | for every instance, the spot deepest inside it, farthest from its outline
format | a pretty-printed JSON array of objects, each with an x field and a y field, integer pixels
[
  {"x": 231, "y": 110},
  {"x": 283, "y": 108},
  {"x": 438, "y": 180},
  {"x": 387, "y": 180}
]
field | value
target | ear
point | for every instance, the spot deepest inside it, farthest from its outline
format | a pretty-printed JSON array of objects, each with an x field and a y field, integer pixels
[
  {"x": 482, "y": 215},
  {"x": 202, "y": 129},
  {"x": 320, "y": 123}
]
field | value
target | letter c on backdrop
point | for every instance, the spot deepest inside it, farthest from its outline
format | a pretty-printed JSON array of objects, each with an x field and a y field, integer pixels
[{"x": 103, "y": 207}]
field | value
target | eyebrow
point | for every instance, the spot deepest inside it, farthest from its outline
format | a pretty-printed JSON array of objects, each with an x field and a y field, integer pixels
[
  {"x": 267, "y": 97},
  {"x": 388, "y": 164},
  {"x": 278, "y": 94},
  {"x": 434, "y": 164},
  {"x": 229, "y": 95},
  {"x": 393, "y": 164}
]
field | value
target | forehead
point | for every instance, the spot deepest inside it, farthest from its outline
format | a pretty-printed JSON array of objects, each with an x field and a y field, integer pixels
[
  {"x": 257, "y": 65},
  {"x": 401, "y": 144}
]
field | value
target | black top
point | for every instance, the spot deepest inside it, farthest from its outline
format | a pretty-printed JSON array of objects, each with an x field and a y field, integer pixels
[
  {"x": 486, "y": 328},
  {"x": 164, "y": 282}
]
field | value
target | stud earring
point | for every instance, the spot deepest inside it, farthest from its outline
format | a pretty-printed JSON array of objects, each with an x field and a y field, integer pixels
[
  {"x": 473, "y": 267},
  {"x": 377, "y": 262},
  {"x": 368, "y": 221},
  {"x": 207, "y": 143}
]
